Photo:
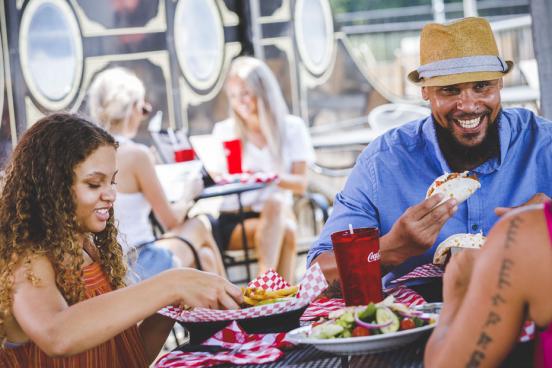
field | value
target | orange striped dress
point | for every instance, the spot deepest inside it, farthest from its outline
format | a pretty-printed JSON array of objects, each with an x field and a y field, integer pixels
[{"x": 124, "y": 350}]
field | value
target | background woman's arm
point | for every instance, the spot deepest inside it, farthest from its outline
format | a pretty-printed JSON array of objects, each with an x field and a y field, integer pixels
[{"x": 296, "y": 181}]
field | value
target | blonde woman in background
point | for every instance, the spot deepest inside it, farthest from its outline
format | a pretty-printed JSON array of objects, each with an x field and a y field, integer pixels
[
  {"x": 117, "y": 102},
  {"x": 273, "y": 141}
]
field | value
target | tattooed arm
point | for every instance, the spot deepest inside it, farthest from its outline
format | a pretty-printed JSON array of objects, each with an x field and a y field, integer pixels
[{"x": 488, "y": 293}]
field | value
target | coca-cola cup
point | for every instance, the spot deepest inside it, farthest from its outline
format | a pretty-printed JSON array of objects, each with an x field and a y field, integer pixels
[
  {"x": 183, "y": 154},
  {"x": 233, "y": 153},
  {"x": 358, "y": 262}
]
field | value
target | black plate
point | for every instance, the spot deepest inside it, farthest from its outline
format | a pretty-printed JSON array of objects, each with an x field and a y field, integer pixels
[{"x": 280, "y": 322}]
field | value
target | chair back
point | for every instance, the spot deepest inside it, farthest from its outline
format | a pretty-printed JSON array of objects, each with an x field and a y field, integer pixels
[{"x": 388, "y": 116}]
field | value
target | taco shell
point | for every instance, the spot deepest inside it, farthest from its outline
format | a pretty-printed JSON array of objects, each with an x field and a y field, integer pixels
[
  {"x": 459, "y": 186},
  {"x": 474, "y": 241}
]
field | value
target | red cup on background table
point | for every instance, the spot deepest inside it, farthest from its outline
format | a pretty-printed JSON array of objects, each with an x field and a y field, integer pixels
[
  {"x": 233, "y": 153},
  {"x": 358, "y": 263},
  {"x": 183, "y": 154}
]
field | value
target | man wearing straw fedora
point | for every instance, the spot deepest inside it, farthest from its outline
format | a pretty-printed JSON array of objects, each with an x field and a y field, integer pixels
[{"x": 460, "y": 75}]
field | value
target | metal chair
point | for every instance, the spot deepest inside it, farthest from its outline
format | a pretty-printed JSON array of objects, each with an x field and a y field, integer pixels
[{"x": 311, "y": 211}]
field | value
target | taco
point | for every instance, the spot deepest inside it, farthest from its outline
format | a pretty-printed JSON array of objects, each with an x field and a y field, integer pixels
[
  {"x": 442, "y": 252},
  {"x": 459, "y": 186}
]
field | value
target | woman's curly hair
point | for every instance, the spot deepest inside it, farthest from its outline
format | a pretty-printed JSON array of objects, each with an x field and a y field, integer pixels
[{"x": 37, "y": 208}]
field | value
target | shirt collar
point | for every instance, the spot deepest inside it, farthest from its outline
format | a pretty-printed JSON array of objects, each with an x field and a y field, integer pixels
[{"x": 504, "y": 135}]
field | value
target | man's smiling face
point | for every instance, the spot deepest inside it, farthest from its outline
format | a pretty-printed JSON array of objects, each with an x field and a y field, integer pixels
[{"x": 466, "y": 110}]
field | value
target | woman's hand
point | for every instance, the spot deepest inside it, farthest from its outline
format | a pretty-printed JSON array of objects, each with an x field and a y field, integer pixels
[{"x": 204, "y": 289}]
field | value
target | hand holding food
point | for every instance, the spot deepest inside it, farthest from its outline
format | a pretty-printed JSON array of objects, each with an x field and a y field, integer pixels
[
  {"x": 194, "y": 288},
  {"x": 258, "y": 296},
  {"x": 442, "y": 252},
  {"x": 459, "y": 186},
  {"x": 416, "y": 229}
]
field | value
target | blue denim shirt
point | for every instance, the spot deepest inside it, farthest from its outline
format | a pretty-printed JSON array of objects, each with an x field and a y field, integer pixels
[{"x": 395, "y": 171}]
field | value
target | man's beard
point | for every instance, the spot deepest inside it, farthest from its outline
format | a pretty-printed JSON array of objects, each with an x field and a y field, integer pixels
[{"x": 461, "y": 157}]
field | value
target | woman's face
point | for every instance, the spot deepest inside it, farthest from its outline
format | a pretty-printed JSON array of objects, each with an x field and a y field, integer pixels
[
  {"x": 94, "y": 189},
  {"x": 242, "y": 100}
]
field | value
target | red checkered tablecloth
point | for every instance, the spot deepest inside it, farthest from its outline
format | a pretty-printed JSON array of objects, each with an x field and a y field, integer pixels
[{"x": 240, "y": 348}]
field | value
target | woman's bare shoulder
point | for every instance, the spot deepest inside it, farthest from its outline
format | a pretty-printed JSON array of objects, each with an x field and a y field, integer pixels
[
  {"x": 33, "y": 268},
  {"x": 135, "y": 153}
]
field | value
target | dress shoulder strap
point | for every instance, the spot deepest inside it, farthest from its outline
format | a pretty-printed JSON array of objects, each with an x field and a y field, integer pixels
[{"x": 548, "y": 216}]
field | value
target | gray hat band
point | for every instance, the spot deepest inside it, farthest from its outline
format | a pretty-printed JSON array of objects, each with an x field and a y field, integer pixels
[{"x": 468, "y": 64}]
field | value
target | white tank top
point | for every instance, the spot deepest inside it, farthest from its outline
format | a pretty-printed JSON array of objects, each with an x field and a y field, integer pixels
[{"x": 132, "y": 213}]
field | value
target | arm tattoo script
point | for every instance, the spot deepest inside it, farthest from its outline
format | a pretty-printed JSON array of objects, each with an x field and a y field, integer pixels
[{"x": 504, "y": 282}]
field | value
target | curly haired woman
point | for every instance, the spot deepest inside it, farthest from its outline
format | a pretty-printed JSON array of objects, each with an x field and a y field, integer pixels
[{"x": 63, "y": 301}]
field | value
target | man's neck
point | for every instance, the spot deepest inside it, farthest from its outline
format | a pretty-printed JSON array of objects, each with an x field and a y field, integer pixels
[{"x": 459, "y": 165}]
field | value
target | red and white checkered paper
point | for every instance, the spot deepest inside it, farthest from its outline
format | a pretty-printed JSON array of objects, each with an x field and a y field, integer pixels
[
  {"x": 323, "y": 306},
  {"x": 311, "y": 286},
  {"x": 421, "y": 272},
  {"x": 243, "y": 348},
  {"x": 247, "y": 178}
]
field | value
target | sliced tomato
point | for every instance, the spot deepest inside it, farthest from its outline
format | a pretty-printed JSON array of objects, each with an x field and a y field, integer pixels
[
  {"x": 407, "y": 324},
  {"x": 360, "y": 331}
]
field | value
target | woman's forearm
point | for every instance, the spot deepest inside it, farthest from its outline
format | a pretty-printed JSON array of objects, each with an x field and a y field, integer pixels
[
  {"x": 297, "y": 183},
  {"x": 91, "y": 322}
]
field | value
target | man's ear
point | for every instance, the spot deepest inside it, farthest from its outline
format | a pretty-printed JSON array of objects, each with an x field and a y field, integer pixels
[
  {"x": 424, "y": 93},
  {"x": 500, "y": 83}
]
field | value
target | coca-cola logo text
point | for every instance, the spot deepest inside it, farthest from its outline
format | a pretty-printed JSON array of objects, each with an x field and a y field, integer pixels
[{"x": 373, "y": 256}]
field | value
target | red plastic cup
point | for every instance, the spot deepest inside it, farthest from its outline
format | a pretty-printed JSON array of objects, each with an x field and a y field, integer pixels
[
  {"x": 233, "y": 153},
  {"x": 358, "y": 263},
  {"x": 183, "y": 155}
]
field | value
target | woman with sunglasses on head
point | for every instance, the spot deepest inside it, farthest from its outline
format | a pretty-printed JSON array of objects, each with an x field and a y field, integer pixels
[
  {"x": 116, "y": 100},
  {"x": 63, "y": 300},
  {"x": 273, "y": 142}
]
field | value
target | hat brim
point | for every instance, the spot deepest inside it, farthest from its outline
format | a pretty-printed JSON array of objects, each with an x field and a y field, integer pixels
[{"x": 447, "y": 80}]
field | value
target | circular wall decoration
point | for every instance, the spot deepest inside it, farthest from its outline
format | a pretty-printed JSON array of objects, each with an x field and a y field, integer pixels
[
  {"x": 314, "y": 34},
  {"x": 199, "y": 42},
  {"x": 51, "y": 52}
]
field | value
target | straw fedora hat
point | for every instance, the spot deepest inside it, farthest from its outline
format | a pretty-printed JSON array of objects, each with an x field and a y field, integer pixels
[{"x": 458, "y": 52}]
